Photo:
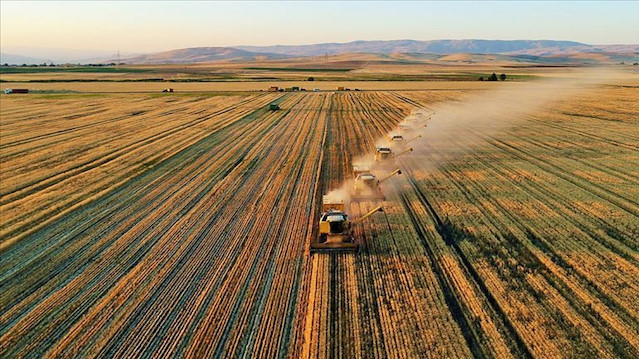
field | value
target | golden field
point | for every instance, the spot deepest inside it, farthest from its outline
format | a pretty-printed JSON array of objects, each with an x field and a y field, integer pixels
[
  {"x": 188, "y": 87},
  {"x": 179, "y": 225}
]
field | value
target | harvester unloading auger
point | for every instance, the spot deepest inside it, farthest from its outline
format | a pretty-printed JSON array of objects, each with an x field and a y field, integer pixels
[
  {"x": 335, "y": 229},
  {"x": 413, "y": 139}
]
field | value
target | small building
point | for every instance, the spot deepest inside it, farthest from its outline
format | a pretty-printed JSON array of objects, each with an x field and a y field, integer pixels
[
  {"x": 340, "y": 88},
  {"x": 273, "y": 107},
  {"x": 273, "y": 89},
  {"x": 288, "y": 89},
  {"x": 295, "y": 88},
  {"x": 168, "y": 90}
]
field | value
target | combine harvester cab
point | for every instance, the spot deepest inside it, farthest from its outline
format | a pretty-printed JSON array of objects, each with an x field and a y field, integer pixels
[
  {"x": 400, "y": 142},
  {"x": 335, "y": 234},
  {"x": 360, "y": 169},
  {"x": 397, "y": 138},
  {"x": 335, "y": 229},
  {"x": 397, "y": 141}
]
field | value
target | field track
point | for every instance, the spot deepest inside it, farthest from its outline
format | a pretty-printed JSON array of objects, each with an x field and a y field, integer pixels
[{"x": 179, "y": 226}]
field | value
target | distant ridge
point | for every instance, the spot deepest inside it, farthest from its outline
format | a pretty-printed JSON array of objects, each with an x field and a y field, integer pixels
[
  {"x": 18, "y": 59},
  {"x": 542, "y": 51},
  {"x": 532, "y": 47},
  {"x": 201, "y": 54}
]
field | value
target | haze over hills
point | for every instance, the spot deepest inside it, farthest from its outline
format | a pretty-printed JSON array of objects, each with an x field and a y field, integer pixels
[
  {"x": 19, "y": 59},
  {"x": 38, "y": 55},
  {"x": 201, "y": 54},
  {"x": 515, "y": 50},
  {"x": 548, "y": 52},
  {"x": 536, "y": 47}
]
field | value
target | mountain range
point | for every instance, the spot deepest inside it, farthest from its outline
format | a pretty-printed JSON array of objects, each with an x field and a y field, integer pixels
[
  {"x": 535, "y": 48},
  {"x": 433, "y": 47},
  {"x": 202, "y": 54}
]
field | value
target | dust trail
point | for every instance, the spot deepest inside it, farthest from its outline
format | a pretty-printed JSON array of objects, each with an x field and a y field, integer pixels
[
  {"x": 451, "y": 128},
  {"x": 341, "y": 194}
]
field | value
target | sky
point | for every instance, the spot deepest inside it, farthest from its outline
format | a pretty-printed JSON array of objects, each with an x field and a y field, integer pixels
[{"x": 149, "y": 26}]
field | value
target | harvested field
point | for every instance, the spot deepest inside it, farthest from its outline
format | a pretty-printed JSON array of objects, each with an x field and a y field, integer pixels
[
  {"x": 127, "y": 87},
  {"x": 179, "y": 226}
]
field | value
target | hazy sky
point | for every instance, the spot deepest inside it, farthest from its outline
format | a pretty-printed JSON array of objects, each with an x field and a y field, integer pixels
[{"x": 163, "y": 25}]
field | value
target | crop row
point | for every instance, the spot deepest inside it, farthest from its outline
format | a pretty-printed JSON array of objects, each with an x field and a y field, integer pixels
[{"x": 523, "y": 235}]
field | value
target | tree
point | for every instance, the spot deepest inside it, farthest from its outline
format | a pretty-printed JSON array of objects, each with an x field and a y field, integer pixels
[
  {"x": 481, "y": 78},
  {"x": 492, "y": 77},
  {"x": 502, "y": 77},
  {"x": 310, "y": 79}
]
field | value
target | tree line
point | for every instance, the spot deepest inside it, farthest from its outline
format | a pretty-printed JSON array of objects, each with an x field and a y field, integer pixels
[{"x": 493, "y": 77}]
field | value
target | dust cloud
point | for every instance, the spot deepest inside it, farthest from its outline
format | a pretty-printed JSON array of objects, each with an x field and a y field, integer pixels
[
  {"x": 341, "y": 194},
  {"x": 455, "y": 127},
  {"x": 452, "y": 128}
]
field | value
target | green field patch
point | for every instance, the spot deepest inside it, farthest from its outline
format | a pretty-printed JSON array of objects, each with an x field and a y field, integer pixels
[{"x": 89, "y": 69}]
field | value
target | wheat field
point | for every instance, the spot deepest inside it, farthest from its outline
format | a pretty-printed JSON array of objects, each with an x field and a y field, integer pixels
[{"x": 178, "y": 225}]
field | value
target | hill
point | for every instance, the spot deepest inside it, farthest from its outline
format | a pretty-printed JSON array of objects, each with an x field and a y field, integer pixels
[
  {"x": 531, "y": 47},
  {"x": 404, "y": 51},
  {"x": 201, "y": 54},
  {"x": 18, "y": 59}
]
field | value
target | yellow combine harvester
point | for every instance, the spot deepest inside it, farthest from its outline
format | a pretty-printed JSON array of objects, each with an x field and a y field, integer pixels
[
  {"x": 366, "y": 185},
  {"x": 396, "y": 138},
  {"x": 385, "y": 158},
  {"x": 400, "y": 142},
  {"x": 335, "y": 229}
]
